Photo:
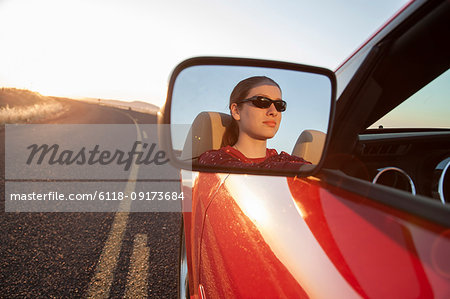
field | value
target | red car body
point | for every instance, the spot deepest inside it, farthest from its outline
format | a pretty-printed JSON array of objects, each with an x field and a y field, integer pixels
[
  {"x": 251, "y": 236},
  {"x": 340, "y": 244}
]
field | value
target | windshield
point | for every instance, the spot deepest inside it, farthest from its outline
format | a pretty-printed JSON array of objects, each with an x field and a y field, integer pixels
[{"x": 428, "y": 108}]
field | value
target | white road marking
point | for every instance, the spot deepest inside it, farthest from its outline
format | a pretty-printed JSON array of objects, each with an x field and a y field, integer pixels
[
  {"x": 101, "y": 282},
  {"x": 104, "y": 273},
  {"x": 145, "y": 134},
  {"x": 137, "y": 286}
]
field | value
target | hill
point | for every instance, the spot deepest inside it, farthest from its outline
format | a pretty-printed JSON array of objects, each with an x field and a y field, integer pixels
[
  {"x": 13, "y": 97},
  {"x": 24, "y": 106},
  {"x": 134, "y": 105}
]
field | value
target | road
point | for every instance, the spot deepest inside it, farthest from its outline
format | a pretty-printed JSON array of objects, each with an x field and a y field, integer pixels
[{"x": 88, "y": 254}]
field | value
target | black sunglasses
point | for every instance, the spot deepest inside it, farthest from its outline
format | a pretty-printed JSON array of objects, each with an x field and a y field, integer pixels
[{"x": 263, "y": 102}]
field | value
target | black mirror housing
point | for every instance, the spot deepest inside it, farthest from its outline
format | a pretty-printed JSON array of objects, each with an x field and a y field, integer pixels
[{"x": 199, "y": 89}]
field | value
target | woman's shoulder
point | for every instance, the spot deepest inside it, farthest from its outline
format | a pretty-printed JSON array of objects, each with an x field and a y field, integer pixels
[
  {"x": 283, "y": 157},
  {"x": 213, "y": 157},
  {"x": 287, "y": 157},
  {"x": 271, "y": 152}
]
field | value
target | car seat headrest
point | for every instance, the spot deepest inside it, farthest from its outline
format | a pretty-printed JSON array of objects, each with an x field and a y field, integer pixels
[
  {"x": 205, "y": 134},
  {"x": 310, "y": 145}
]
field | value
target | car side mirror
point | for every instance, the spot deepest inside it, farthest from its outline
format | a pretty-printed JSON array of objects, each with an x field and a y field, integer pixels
[{"x": 196, "y": 113}]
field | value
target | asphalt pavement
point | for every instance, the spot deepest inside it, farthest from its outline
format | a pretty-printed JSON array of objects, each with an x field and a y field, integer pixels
[{"x": 82, "y": 255}]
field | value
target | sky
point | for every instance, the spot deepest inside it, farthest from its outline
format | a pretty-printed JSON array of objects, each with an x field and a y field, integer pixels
[
  {"x": 127, "y": 49},
  {"x": 427, "y": 108}
]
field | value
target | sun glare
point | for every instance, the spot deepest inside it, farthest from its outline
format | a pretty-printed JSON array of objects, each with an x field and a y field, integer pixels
[
  {"x": 249, "y": 199},
  {"x": 252, "y": 206}
]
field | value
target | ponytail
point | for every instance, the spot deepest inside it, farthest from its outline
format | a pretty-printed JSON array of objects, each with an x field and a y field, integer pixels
[{"x": 231, "y": 135}]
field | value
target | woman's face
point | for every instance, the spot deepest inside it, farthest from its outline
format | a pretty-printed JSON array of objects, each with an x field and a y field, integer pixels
[{"x": 259, "y": 123}]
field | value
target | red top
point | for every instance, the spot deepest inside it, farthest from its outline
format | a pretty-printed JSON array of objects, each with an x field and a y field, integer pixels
[{"x": 229, "y": 156}]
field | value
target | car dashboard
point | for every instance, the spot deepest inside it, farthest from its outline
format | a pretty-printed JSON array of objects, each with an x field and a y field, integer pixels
[{"x": 412, "y": 161}]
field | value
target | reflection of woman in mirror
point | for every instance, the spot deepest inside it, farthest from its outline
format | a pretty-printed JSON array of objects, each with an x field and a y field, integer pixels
[{"x": 256, "y": 107}]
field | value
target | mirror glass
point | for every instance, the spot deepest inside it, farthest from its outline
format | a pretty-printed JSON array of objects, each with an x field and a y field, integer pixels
[{"x": 207, "y": 88}]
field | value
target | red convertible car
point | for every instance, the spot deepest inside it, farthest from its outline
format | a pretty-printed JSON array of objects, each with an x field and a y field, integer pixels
[{"x": 368, "y": 218}]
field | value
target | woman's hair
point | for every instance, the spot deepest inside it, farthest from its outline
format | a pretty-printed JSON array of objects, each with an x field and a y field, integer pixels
[{"x": 240, "y": 92}]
